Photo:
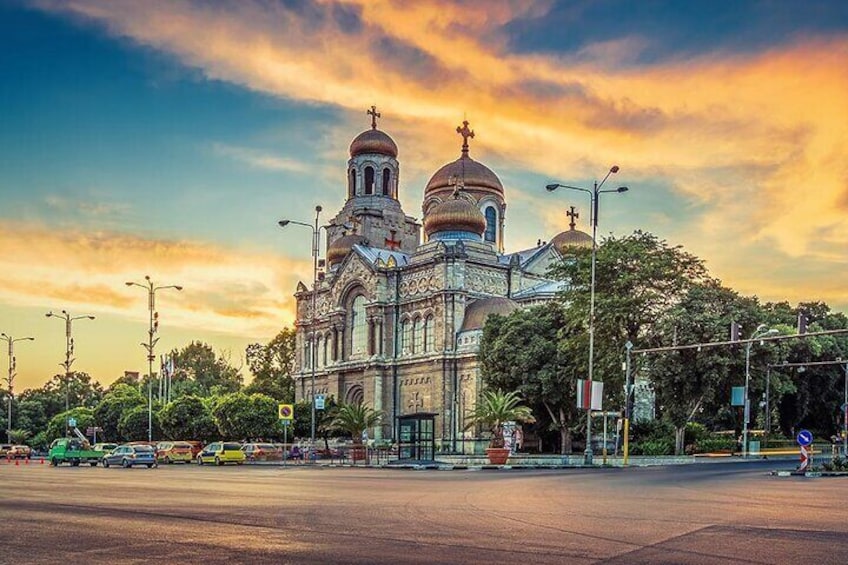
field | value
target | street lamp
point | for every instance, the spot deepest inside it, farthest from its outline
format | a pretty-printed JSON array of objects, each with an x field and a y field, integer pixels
[
  {"x": 151, "y": 343},
  {"x": 761, "y": 331},
  {"x": 313, "y": 351},
  {"x": 594, "y": 194},
  {"x": 10, "y": 380},
  {"x": 69, "y": 348}
]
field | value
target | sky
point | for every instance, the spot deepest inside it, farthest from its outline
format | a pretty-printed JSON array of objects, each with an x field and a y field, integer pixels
[{"x": 168, "y": 138}]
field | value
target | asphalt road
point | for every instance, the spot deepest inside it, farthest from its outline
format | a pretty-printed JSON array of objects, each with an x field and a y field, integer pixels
[{"x": 704, "y": 513}]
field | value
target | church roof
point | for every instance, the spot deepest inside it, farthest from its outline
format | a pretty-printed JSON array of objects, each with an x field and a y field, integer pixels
[
  {"x": 546, "y": 289},
  {"x": 455, "y": 215},
  {"x": 477, "y": 312},
  {"x": 383, "y": 257},
  {"x": 373, "y": 141},
  {"x": 473, "y": 174},
  {"x": 524, "y": 256}
]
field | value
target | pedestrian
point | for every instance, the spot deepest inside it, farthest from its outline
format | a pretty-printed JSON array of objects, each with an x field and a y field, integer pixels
[{"x": 518, "y": 438}]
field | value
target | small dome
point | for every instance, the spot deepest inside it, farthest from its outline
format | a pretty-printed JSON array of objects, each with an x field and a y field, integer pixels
[
  {"x": 571, "y": 238},
  {"x": 477, "y": 312},
  {"x": 473, "y": 174},
  {"x": 340, "y": 248},
  {"x": 373, "y": 141},
  {"x": 455, "y": 215}
]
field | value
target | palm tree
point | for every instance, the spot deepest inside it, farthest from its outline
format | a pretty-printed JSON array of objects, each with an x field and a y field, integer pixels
[
  {"x": 19, "y": 436},
  {"x": 355, "y": 419},
  {"x": 496, "y": 407}
]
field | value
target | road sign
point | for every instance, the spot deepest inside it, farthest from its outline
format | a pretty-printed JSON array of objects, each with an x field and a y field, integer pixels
[
  {"x": 285, "y": 411},
  {"x": 91, "y": 430},
  {"x": 737, "y": 396},
  {"x": 72, "y": 422},
  {"x": 319, "y": 401},
  {"x": 805, "y": 438},
  {"x": 805, "y": 458}
]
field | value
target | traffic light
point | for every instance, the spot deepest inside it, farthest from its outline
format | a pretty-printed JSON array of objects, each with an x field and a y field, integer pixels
[
  {"x": 802, "y": 322},
  {"x": 734, "y": 331}
]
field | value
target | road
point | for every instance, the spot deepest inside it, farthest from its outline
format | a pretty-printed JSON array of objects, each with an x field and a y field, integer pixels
[{"x": 705, "y": 513}]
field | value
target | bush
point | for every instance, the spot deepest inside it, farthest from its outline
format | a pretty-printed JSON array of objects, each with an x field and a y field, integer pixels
[
  {"x": 654, "y": 447},
  {"x": 714, "y": 443},
  {"x": 837, "y": 464},
  {"x": 695, "y": 432}
]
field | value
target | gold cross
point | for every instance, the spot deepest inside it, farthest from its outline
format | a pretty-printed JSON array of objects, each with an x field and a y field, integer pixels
[
  {"x": 573, "y": 215},
  {"x": 465, "y": 133},
  {"x": 374, "y": 115}
]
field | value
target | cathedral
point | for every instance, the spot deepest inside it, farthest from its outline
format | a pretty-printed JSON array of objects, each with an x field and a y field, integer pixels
[{"x": 398, "y": 315}]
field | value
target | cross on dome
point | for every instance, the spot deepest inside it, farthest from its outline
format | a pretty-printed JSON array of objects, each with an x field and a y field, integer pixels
[
  {"x": 465, "y": 132},
  {"x": 573, "y": 215},
  {"x": 374, "y": 115}
]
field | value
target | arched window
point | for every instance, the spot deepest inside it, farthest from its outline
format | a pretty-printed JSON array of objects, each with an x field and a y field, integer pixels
[
  {"x": 351, "y": 184},
  {"x": 319, "y": 345},
  {"x": 358, "y": 327},
  {"x": 429, "y": 337},
  {"x": 369, "y": 180},
  {"x": 307, "y": 355},
  {"x": 491, "y": 225},
  {"x": 324, "y": 351},
  {"x": 355, "y": 395},
  {"x": 418, "y": 345},
  {"x": 406, "y": 340},
  {"x": 387, "y": 175}
]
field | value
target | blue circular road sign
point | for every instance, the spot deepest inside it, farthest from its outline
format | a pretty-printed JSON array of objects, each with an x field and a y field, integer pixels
[{"x": 805, "y": 438}]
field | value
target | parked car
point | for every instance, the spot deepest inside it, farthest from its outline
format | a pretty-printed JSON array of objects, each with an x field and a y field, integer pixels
[
  {"x": 4, "y": 449},
  {"x": 104, "y": 447},
  {"x": 74, "y": 451},
  {"x": 130, "y": 455},
  {"x": 196, "y": 447},
  {"x": 221, "y": 452},
  {"x": 174, "y": 451},
  {"x": 262, "y": 452},
  {"x": 20, "y": 452}
]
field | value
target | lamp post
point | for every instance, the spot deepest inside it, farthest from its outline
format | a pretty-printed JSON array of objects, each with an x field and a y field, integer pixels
[
  {"x": 594, "y": 194},
  {"x": 10, "y": 379},
  {"x": 313, "y": 351},
  {"x": 761, "y": 331},
  {"x": 151, "y": 342},
  {"x": 69, "y": 348}
]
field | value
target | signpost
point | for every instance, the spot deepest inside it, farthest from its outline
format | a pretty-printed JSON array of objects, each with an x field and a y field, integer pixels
[
  {"x": 805, "y": 439},
  {"x": 319, "y": 401},
  {"x": 286, "y": 414}
]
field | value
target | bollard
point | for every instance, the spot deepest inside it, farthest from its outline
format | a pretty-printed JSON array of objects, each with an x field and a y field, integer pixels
[{"x": 17, "y": 462}]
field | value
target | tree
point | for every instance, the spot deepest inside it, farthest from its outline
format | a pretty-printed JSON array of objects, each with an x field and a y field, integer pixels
[
  {"x": 19, "y": 436},
  {"x": 133, "y": 425},
  {"x": 354, "y": 419},
  {"x": 121, "y": 399},
  {"x": 302, "y": 427},
  {"x": 188, "y": 417},
  {"x": 242, "y": 416},
  {"x": 272, "y": 366},
  {"x": 58, "y": 424},
  {"x": 522, "y": 352},
  {"x": 496, "y": 407},
  {"x": 198, "y": 370}
]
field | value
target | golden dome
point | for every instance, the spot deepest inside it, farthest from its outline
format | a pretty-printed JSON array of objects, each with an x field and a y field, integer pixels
[
  {"x": 455, "y": 215},
  {"x": 340, "y": 248},
  {"x": 571, "y": 238},
  {"x": 373, "y": 141},
  {"x": 473, "y": 174},
  {"x": 477, "y": 312}
]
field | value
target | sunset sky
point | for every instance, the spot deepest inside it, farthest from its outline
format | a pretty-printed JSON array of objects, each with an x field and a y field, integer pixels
[{"x": 167, "y": 138}]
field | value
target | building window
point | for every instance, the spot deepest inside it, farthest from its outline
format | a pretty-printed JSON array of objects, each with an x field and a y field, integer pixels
[
  {"x": 369, "y": 180},
  {"x": 491, "y": 225},
  {"x": 387, "y": 175},
  {"x": 324, "y": 351},
  {"x": 307, "y": 355},
  {"x": 429, "y": 337},
  {"x": 318, "y": 346},
  {"x": 358, "y": 327},
  {"x": 418, "y": 339},
  {"x": 351, "y": 185},
  {"x": 405, "y": 337}
]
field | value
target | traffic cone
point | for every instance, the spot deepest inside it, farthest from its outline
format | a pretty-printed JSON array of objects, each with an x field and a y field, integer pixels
[
  {"x": 26, "y": 461},
  {"x": 17, "y": 462},
  {"x": 42, "y": 460}
]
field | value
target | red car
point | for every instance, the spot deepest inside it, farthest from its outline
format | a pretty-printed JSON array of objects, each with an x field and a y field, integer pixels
[{"x": 262, "y": 452}]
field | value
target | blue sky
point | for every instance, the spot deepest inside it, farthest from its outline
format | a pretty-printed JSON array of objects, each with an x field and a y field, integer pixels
[{"x": 168, "y": 138}]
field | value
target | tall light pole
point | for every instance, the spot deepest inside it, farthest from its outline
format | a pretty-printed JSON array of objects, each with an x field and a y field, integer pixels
[
  {"x": 10, "y": 379},
  {"x": 151, "y": 341},
  {"x": 313, "y": 350},
  {"x": 594, "y": 193},
  {"x": 761, "y": 331},
  {"x": 69, "y": 348}
]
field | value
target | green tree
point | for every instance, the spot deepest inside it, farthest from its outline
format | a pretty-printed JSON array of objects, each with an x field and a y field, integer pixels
[
  {"x": 134, "y": 424},
  {"x": 302, "y": 427},
  {"x": 242, "y": 416},
  {"x": 522, "y": 352},
  {"x": 496, "y": 407},
  {"x": 354, "y": 419},
  {"x": 19, "y": 436},
  {"x": 272, "y": 366},
  {"x": 188, "y": 417},
  {"x": 199, "y": 371},
  {"x": 57, "y": 426},
  {"x": 121, "y": 399}
]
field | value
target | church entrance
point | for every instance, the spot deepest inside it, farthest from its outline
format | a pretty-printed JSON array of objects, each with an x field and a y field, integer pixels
[{"x": 416, "y": 438}]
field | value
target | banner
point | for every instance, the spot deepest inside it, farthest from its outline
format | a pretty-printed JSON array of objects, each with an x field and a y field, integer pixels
[{"x": 590, "y": 394}]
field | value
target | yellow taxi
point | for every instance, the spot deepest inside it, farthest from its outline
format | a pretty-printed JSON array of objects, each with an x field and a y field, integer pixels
[
  {"x": 174, "y": 451},
  {"x": 221, "y": 452}
]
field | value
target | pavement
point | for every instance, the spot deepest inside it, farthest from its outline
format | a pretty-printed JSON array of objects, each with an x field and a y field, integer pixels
[{"x": 712, "y": 513}]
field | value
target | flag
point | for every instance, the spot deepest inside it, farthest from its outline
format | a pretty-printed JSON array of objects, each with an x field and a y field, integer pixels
[{"x": 590, "y": 394}]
